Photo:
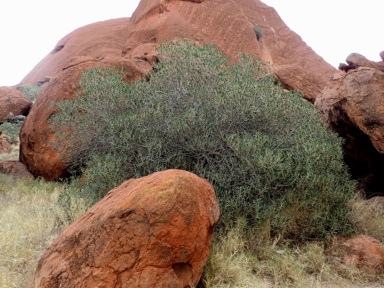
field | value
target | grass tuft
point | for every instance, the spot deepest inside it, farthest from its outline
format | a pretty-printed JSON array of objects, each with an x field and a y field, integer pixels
[
  {"x": 368, "y": 216},
  {"x": 30, "y": 221}
]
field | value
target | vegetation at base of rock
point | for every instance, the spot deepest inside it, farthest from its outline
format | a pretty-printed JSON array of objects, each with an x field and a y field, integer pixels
[
  {"x": 235, "y": 261},
  {"x": 30, "y": 91},
  {"x": 11, "y": 131},
  {"x": 30, "y": 220},
  {"x": 271, "y": 159},
  {"x": 368, "y": 217}
]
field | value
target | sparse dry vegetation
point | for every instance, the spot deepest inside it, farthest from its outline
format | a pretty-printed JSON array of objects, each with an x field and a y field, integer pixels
[
  {"x": 368, "y": 217},
  {"x": 30, "y": 220},
  {"x": 11, "y": 134}
]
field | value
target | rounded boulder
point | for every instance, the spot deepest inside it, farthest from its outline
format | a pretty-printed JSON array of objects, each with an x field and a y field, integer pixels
[{"x": 153, "y": 231}]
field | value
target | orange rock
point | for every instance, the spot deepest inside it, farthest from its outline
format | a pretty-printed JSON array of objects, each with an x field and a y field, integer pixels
[
  {"x": 355, "y": 60},
  {"x": 360, "y": 251},
  {"x": 227, "y": 24},
  {"x": 12, "y": 101},
  {"x": 149, "y": 232},
  {"x": 36, "y": 136},
  {"x": 353, "y": 104}
]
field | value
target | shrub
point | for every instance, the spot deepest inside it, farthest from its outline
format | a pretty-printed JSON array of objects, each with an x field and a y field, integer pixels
[
  {"x": 30, "y": 91},
  {"x": 30, "y": 221},
  {"x": 269, "y": 156},
  {"x": 11, "y": 131}
]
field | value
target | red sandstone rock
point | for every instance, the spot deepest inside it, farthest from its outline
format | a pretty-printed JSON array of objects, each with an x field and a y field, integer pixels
[
  {"x": 12, "y": 101},
  {"x": 227, "y": 24},
  {"x": 14, "y": 168},
  {"x": 353, "y": 105},
  {"x": 356, "y": 60},
  {"x": 149, "y": 232},
  {"x": 36, "y": 136},
  {"x": 360, "y": 251}
]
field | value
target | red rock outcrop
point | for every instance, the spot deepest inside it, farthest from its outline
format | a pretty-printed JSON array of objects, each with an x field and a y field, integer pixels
[
  {"x": 91, "y": 43},
  {"x": 356, "y": 60},
  {"x": 153, "y": 231},
  {"x": 360, "y": 251},
  {"x": 227, "y": 24},
  {"x": 230, "y": 25},
  {"x": 36, "y": 136},
  {"x": 352, "y": 104},
  {"x": 12, "y": 101}
]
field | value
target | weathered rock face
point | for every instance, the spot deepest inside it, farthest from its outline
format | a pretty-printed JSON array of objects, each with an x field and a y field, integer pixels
[
  {"x": 149, "y": 232},
  {"x": 12, "y": 101},
  {"x": 227, "y": 24},
  {"x": 353, "y": 105},
  {"x": 14, "y": 168},
  {"x": 36, "y": 136},
  {"x": 356, "y": 60},
  {"x": 230, "y": 26},
  {"x": 91, "y": 43},
  {"x": 360, "y": 251}
]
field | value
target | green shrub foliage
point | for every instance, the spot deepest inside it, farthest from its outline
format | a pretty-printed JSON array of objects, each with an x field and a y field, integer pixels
[
  {"x": 11, "y": 131},
  {"x": 30, "y": 91},
  {"x": 270, "y": 158}
]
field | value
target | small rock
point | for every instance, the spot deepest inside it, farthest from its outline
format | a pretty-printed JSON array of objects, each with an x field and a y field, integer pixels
[
  {"x": 14, "y": 168},
  {"x": 361, "y": 251}
]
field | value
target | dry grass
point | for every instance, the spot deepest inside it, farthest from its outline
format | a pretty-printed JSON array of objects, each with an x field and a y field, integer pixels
[
  {"x": 30, "y": 221},
  {"x": 368, "y": 217},
  {"x": 13, "y": 155},
  {"x": 233, "y": 263}
]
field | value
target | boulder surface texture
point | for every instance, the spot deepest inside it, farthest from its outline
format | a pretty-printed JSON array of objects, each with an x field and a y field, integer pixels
[
  {"x": 153, "y": 231},
  {"x": 361, "y": 251},
  {"x": 352, "y": 104}
]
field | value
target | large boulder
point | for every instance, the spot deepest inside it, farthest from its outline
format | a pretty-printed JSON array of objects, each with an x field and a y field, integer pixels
[
  {"x": 352, "y": 104},
  {"x": 37, "y": 150},
  {"x": 90, "y": 43},
  {"x": 149, "y": 232},
  {"x": 12, "y": 101},
  {"x": 231, "y": 25}
]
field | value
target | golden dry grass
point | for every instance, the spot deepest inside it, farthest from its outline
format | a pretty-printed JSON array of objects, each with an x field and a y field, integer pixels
[
  {"x": 31, "y": 219},
  {"x": 368, "y": 217},
  {"x": 233, "y": 263}
]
